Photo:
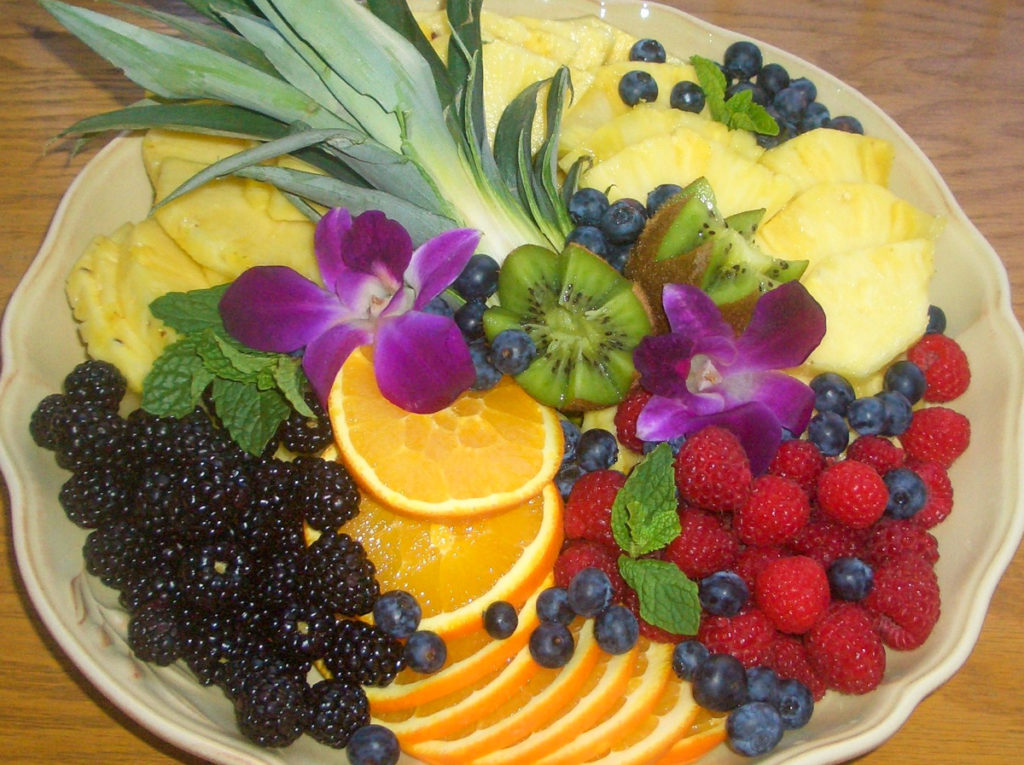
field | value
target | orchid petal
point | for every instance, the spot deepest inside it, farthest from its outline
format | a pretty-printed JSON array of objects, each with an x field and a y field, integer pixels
[
  {"x": 691, "y": 312},
  {"x": 664, "y": 363},
  {"x": 787, "y": 324},
  {"x": 360, "y": 294},
  {"x": 663, "y": 418},
  {"x": 273, "y": 308},
  {"x": 327, "y": 243},
  {"x": 720, "y": 348},
  {"x": 757, "y": 430},
  {"x": 421, "y": 361},
  {"x": 377, "y": 245},
  {"x": 436, "y": 263},
  {"x": 325, "y": 355},
  {"x": 790, "y": 400}
]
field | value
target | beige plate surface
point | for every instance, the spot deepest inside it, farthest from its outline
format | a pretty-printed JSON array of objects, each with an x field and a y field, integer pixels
[{"x": 40, "y": 346}]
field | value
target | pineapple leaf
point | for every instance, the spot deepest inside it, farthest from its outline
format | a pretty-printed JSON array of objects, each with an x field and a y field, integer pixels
[
  {"x": 212, "y": 8},
  {"x": 546, "y": 162},
  {"x": 399, "y": 17},
  {"x": 200, "y": 117},
  {"x": 465, "y": 41}
]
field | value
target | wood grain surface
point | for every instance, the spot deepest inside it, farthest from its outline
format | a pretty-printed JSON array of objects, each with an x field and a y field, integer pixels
[{"x": 949, "y": 71}]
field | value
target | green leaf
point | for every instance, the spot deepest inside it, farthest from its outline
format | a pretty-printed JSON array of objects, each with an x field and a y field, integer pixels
[
  {"x": 292, "y": 382},
  {"x": 645, "y": 513},
  {"x": 739, "y": 112},
  {"x": 712, "y": 81},
  {"x": 213, "y": 8},
  {"x": 203, "y": 117},
  {"x": 397, "y": 15},
  {"x": 251, "y": 416},
  {"x": 175, "y": 383},
  {"x": 191, "y": 311},
  {"x": 668, "y": 599},
  {"x": 230, "y": 361}
]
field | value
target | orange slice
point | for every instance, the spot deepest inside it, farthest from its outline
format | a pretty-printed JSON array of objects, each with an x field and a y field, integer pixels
[
  {"x": 528, "y": 708},
  {"x": 488, "y": 451},
  {"x": 645, "y": 688},
  {"x": 455, "y": 569},
  {"x": 706, "y": 732},
  {"x": 469, "y": 659}
]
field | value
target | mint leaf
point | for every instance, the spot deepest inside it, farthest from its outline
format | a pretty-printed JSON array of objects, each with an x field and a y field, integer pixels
[
  {"x": 250, "y": 415},
  {"x": 739, "y": 112},
  {"x": 712, "y": 81},
  {"x": 645, "y": 514},
  {"x": 176, "y": 381},
  {"x": 292, "y": 383},
  {"x": 191, "y": 311},
  {"x": 668, "y": 599},
  {"x": 233, "y": 362}
]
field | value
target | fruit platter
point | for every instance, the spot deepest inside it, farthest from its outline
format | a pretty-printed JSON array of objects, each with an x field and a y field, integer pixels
[{"x": 617, "y": 410}]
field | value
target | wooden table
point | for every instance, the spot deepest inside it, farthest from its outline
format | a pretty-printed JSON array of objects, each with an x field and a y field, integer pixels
[{"x": 949, "y": 71}]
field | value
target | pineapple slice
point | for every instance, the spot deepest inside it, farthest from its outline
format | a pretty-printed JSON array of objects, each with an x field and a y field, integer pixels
[
  {"x": 159, "y": 144},
  {"x": 832, "y": 156},
  {"x": 592, "y": 37},
  {"x": 875, "y": 302},
  {"x": 831, "y": 218},
  {"x": 742, "y": 184}
]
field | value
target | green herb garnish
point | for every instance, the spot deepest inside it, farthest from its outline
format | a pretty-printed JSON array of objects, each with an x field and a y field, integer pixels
[{"x": 738, "y": 112}]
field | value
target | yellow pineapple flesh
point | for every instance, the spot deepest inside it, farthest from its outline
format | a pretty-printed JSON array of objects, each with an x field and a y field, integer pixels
[{"x": 832, "y": 156}]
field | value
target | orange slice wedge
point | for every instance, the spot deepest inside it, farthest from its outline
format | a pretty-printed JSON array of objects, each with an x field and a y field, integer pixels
[
  {"x": 705, "y": 733},
  {"x": 488, "y": 451}
]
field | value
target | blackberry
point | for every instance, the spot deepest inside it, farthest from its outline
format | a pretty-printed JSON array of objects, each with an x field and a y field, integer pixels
[
  {"x": 46, "y": 425},
  {"x": 156, "y": 506},
  {"x": 338, "y": 710},
  {"x": 91, "y": 435},
  {"x": 303, "y": 434},
  {"x": 275, "y": 580},
  {"x": 96, "y": 382},
  {"x": 108, "y": 552},
  {"x": 95, "y": 495},
  {"x": 365, "y": 654},
  {"x": 210, "y": 641},
  {"x": 274, "y": 711},
  {"x": 216, "y": 575},
  {"x": 253, "y": 660},
  {"x": 303, "y": 630},
  {"x": 157, "y": 583},
  {"x": 326, "y": 493},
  {"x": 338, "y": 574},
  {"x": 213, "y": 493},
  {"x": 153, "y": 635}
]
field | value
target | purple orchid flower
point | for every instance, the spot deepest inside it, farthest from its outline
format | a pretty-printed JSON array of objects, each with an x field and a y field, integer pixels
[
  {"x": 375, "y": 288},
  {"x": 702, "y": 374}
]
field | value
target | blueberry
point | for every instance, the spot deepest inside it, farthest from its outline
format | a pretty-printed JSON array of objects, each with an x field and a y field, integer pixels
[
  {"x": 867, "y": 416},
  {"x": 470, "y": 319},
  {"x": 687, "y": 96},
  {"x": 373, "y": 745},
  {"x": 512, "y": 351},
  {"x": 566, "y": 478},
  {"x": 832, "y": 393},
  {"x": 659, "y": 195},
  {"x": 742, "y": 60},
  {"x": 440, "y": 307},
  {"x": 397, "y": 613},
  {"x": 590, "y": 592},
  {"x": 486, "y": 374},
  {"x": 723, "y": 593},
  {"x": 500, "y": 619},
  {"x": 551, "y": 645},
  {"x": 587, "y": 206},
  {"x": 570, "y": 438},
  {"x": 905, "y": 377},
  {"x": 829, "y": 432},
  {"x": 479, "y": 278},
  {"x": 850, "y": 578},
  {"x": 553, "y": 606},
  {"x": 757, "y": 93},
  {"x": 616, "y": 630},
  {"x": 805, "y": 86},
  {"x": 936, "y": 321},
  {"x": 597, "y": 450},
  {"x": 773, "y": 78},
  {"x": 762, "y": 685},
  {"x": 795, "y": 704},
  {"x": 425, "y": 652},
  {"x": 647, "y": 50},
  {"x": 637, "y": 86},
  {"x": 623, "y": 221},
  {"x": 847, "y": 124},
  {"x": 907, "y": 493},
  {"x": 816, "y": 115},
  {"x": 590, "y": 237},
  {"x": 720, "y": 683},
  {"x": 687, "y": 657},
  {"x": 790, "y": 103},
  {"x": 754, "y": 729},
  {"x": 617, "y": 255},
  {"x": 898, "y": 412}
]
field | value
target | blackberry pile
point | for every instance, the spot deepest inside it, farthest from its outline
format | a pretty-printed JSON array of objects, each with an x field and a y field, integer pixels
[{"x": 205, "y": 545}]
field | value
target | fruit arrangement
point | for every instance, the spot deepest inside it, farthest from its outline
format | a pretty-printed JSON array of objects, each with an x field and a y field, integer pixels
[{"x": 632, "y": 474}]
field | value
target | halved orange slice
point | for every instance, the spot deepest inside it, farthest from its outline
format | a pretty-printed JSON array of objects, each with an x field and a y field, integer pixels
[{"x": 705, "y": 733}]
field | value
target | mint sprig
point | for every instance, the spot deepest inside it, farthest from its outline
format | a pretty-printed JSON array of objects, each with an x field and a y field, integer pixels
[
  {"x": 738, "y": 112},
  {"x": 253, "y": 392},
  {"x": 668, "y": 598}
]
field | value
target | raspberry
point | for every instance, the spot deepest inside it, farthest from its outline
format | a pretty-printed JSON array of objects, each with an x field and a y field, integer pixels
[
  {"x": 878, "y": 452},
  {"x": 626, "y": 416},
  {"x": 588, "y": 512},
  {"x": 789, "y": 660},
  {"x": 904, "y": 602},
  {"x": 579, "y": 554},
  {"x": 712, "y": 470},
  {"x": 704, "y": 546},
  {"x": 852, "y": 493},
  {"x": 939, "y": 503},
  {"x": 748, "y": 636},
  {"x": 753, "y": 560},
  {"x": 799, "y": 461},
  {"x": 775, "y": 510},
  {"x": 793, "y": 592},
  {"x": 947, "y": 373},
  {"x": 825, "y": 540},
  {"x": 891, "y": 539},
  {"x": 845, "y": 651},
  {"x": 938, "y": 434}
]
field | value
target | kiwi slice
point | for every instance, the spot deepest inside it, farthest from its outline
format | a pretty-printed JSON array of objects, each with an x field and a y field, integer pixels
[{"x": 583, "y": 317}]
